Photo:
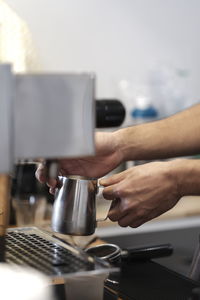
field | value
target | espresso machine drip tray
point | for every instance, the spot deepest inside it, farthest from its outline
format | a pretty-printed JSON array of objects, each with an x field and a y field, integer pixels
[{"x": 34, "y": 248}]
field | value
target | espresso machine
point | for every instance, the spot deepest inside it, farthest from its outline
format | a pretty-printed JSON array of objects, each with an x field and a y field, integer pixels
[{"x": 44, "y": 117}]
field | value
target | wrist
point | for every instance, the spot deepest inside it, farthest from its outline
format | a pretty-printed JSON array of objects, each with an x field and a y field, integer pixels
[
  {"x": 124, "y": 145},
  {"x": 186, "y": 174}
]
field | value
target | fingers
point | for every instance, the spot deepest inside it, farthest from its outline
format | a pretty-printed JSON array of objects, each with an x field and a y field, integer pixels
[
  {"x": 113, "y": 186},
  {"x": 110, "y": 192},
  {"x": 127, "y": 213},
  {"x": 52, "y": 190},
  {"x": 126, "y": 218},
  {"x": 116, "y": 211},
  {"x": 52, "y": 183},
  {"x": 113, "y": 179},
  {"x": 130, "y": 220},
  {"x": 40, "y": 173},
  {"x": 115, "y": 189},
  {"x": 41, "y": 176}
]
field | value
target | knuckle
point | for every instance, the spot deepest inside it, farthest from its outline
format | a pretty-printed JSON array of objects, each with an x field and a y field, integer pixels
[
  {"x": 136, "y": 224},
  {"x": 125, "y": 205},
  {"x": 112, "y": 218},
  {"x": 119, "y": 193},
  {"x": 123, "y": 210},
  {"x": 139, "y": 213},
  {"x": 122, "y": 223}
]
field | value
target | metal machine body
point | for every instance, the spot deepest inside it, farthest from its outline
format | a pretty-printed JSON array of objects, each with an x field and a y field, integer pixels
[
  {"x": 42, "y": 116},
  {"x": 54, "y": 115},
  {"x": 6, "y": 119}
]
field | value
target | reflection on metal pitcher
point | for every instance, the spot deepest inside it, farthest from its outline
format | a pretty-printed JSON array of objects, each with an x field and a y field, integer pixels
[{"x": 74, "y": 210}]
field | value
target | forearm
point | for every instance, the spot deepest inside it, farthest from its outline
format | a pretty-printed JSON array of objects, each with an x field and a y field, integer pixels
[{"x": 178, "y": 135}]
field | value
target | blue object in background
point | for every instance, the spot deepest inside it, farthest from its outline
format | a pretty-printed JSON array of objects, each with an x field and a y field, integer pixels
[
  {"x": 144, "y": 111},
  {"x": 149, "y": 113}
]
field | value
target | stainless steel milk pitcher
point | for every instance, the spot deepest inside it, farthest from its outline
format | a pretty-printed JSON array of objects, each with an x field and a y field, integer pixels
[{"x": 74, "y": 210}]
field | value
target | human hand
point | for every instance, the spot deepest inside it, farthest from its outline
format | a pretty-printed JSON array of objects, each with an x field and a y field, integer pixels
[
  {"x": 142, "y": 192},
  {"x": 107, "y": 158}
]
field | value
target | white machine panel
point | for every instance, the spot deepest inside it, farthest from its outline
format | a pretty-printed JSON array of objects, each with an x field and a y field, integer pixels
[{"x": 54, "y": 115}]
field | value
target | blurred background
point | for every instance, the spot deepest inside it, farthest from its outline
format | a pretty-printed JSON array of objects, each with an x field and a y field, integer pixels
[{"x": 135, "y": 47}]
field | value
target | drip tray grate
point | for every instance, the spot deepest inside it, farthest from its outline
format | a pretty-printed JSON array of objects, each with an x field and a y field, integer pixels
[{"x": 45, "y": 253}]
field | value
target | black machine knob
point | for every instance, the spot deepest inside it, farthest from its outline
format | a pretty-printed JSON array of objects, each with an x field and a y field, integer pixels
[{"x": 109, "y": 113}]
